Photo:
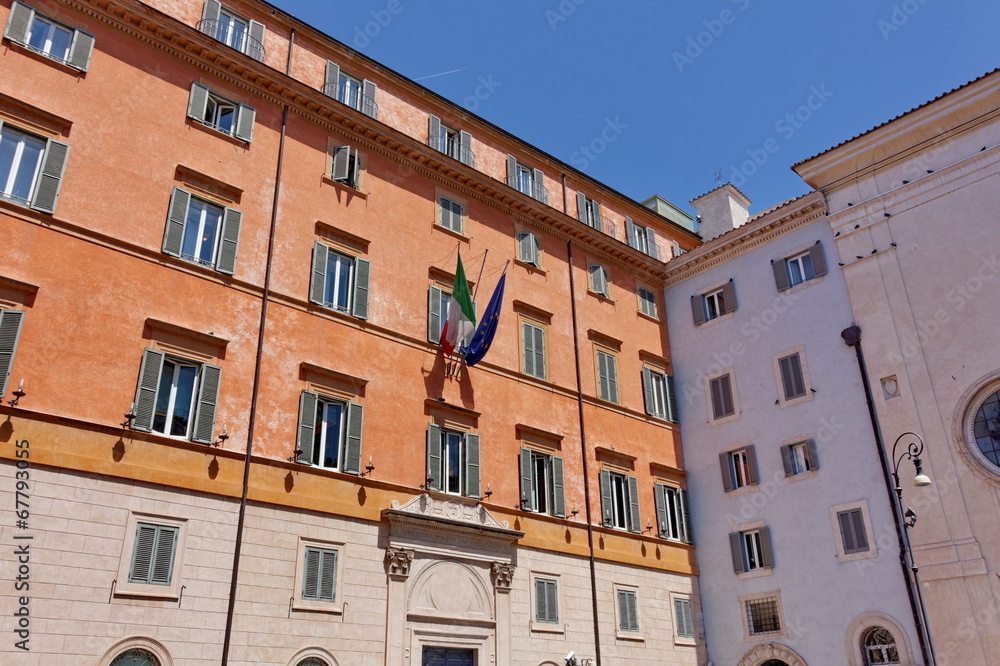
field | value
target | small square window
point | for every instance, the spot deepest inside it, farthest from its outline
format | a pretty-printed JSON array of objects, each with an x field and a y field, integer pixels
[
  {"x": 526, "y": 180},
  {"x": 451, "y": 214},
  {"x": 151, "y": 564},
  {"x": 628, "y": 610},
  {"x": 739, "y": 468},
  {"x": 329, "y": 433},
  {"x": 221, "y": 114},
  {"x": 202, "y": 232},
  {"x": 763, "y": 616},
  {"x": 647, "y": 302},
  {"x": 799, "y": 268},
  {"x": 751, "y": 550},
  {"x": 451, "y": 141},
  {"x": 153, "y": 555},
  {"x": 177, "y": 397},
  {"x": 799, "y": 458},
  {"x": 233, "y": 30},
  {"x": 714, "y": 303}
]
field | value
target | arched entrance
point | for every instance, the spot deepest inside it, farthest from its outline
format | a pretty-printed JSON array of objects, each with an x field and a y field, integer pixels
[{"x": 771, "y": 654}]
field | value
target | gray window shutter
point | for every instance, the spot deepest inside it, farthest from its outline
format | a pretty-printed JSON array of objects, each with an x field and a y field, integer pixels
[
  {"x": 558, "y": 488},
  {"x": 687, "y": 533},
  {"x": 729, "y": 294},
  {"x": 10, "y": 333},
  {"x": 541, "y": 601},
  {"x": 362, "y": 274},
  {"x": 210, "y": 17},
  {"x": 81, "y": 50},
  {"x": 736, "y": 550},
  {"x": 528, "y": 248},
  {"x": 18, "y": 23},
  {"x": 727, "y": 472},
  {"x": 766, "y": 559},
  {"x": 434, "y": 133},
  {"x": 660, "y": 499},
  {"x": 512, "y": 171},
  {"x": 602, "y": 374},
  {"x": 208, "y": 400},
  {"x": 163, "y": 558},
  {"x": 786, "y": 459},
  {"x": 606, "y": 504},
  {"x": 355, "y": 178},
  {"x": 352, "y": 452},
  {"x": 539, "y": 347},
  {"x": 599, "y": 280},
  {"x": 317, "y": 285},
  {"x": 818, "y": 260},
  {"x": 635, "y": 518},
  {"x": 433, "y": 456},
  {"x": 145, "y": 394},
  {"x": 612, "y": 370},
  {"x": 752, "y": 464},
  {"x": 860, "y": 537},
  {"x": 698, "y": 309},
  {"x": 328, "y": 575},
  {"x": 310, "y": 574},
  {"x": 527, "y": 497},
  {"x": 308, "y": 402},
  {"x": 652, "y": 249},
  {"x": 472, "y": 465},
  {"x": 630, "y": 232},
  {"x": 229, "y": 241},
  {"x": 811, "y": 455},
  {"x": 369, "y": 106},
  {"x": 434, "y": 322},
  {"x": 846, "y": 532},
  {"x": 244, "y": 123},
  {"x": 142, "y": 555},
  {"x": 598, "y": 221},
  {"x": 332, "y": 83},
  {"x": 198, "y": 102},
  {"x": 340, "y": 167},
  {"x": 581, "y": 207},
  {"x": 538, "y": 181},
  {"x": 528, "y": 348},
  {"x": 672, "y": 415},
  {"x": 780, "y": 274},
  {"x": 465, "y": 154},
  {"x": 50, "y": 177},
  {"x": 647, "y": 390},
  {"x": 254, "y": 47}
]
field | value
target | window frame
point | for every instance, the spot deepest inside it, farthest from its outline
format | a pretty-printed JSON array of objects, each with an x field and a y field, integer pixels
[
  {"x": 539, "y": 331},
  {"x": 447, "y": 221},
  {"x": 11, "y": 324},
  {"x": 781, "y": 267},
  {"x": 673, "y": 513},
  {"x": 620, "y": 509},
  {"x": 726, "y": 378},
  {"x": 212, "y": 25},
  {"x": 21, "y": 22},
  {"x": 657, "y": 383},
  {"x": 749, "y": 635},
  {"x": 551, "y": 487},
  {"x": 469, "y": 471},
  {"x": 606, "y": 369},
  {"x": 48, "y": 173},
  {"x": 205, "y": 396},
  {"x": 732, "y": 479},
  {"x": 843, "y": 554},
  {"x": 641, "y": 237},
  {"x": 529, "y": 249},
  {"x": 599, "y": 281},
  {"x": 203, "y": 99},
  {"x": 526, "y": 180},
  {"x": 171, "y": 590},
  {"x": 799, "y": 452},
  {"x": 785, "y": 365},
  {"x": 751, "y": 551},
  {"x": 589, "y": 212},
  {"x": 346, "y": 167},
  {"x": 624, "y": 626},
  {"x": 302, "y": 603},
  {"x": 367, "y": 90},
  {"x": 359, "y": 286},
  {"x": 351, "y": 433},
  {"x": 722, "y": 295},
  {"x": 225, "y": 253},
  {"x": 647, "y": 306},
  {"x": 685, "y": 632},
  {"x": 551, "y": 624}
]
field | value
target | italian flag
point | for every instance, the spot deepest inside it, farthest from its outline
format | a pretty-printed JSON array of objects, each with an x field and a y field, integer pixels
[{"x": 461, "y": 320}]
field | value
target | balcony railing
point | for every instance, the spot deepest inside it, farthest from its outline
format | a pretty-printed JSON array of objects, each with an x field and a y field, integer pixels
[
  {"x": 352, "y": 97},
  {"x": 238, "y": 39},
  {"x": 452, "y": 147}
]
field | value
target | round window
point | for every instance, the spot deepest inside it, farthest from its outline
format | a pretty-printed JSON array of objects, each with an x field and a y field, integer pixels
[{"x": 984, "y": 427}]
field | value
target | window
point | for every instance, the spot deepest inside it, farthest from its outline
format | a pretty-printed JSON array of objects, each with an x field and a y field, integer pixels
[
  {"x": 589, "y": 211},
  {"x": 242, "y": 34},
  {"x": 176, "y": 397},
  {"x": 673, "y": 513},
  {"x": 982, "y": 429},
  {"x": 721, "y": 389},
  {"x": 329, "y": 433},
  {"x": 202, "y": 232},
  {"x": 438, "y": 303},
  {"x": 346, "y": 167},
  {"x": 607, "y": 376},
  {"x": 319, "y": 579},
  {"x": 153, "y": 556},
  {"x": 451, "y": 214},
  {"x": 641, "y": 238},
  {"x": 43, "y": 35},
  {"x": 31, "y": 168},
  {"x": 739, "y": 468},
  {"x": 879, "y": 647},
  {"x": 450, "y": 141},
  {"x": 751, "y": 550},
  {"x": 528, "y": 249},
  {"x": 533, "y": 349},
  {"x": 793, "y": 383},
  {"x": 683, "y": 620},
  {"x": 647, "y": 302},
  {"x": 620, "y": 501},
  {"x": 799, "y": 268},
  {"x": 852, "y": 531},
  {"x": 628, "y": 610},
  {"x": 599, "y": 280},
  {"x": 799, "y": 458},
  {"x": 219, "y": 113},
  {"x": 661, "y": 400},
  {"x": 714, "y": 304},
  {"x": 526, "y": 180},
  {"x": 339, "y": 282},
  {"x": 351, "y": 90},
  {"x": 10, "y": 332},
  {"x": 452, "y": 461},
  {"x": 763, "y": 616},
  {"x": 135, "y": 657},
  {"x": 546, "y": 600},
  {"x": 542, "y": 483}
]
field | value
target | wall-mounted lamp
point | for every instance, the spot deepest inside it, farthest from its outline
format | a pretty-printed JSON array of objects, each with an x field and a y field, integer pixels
[
  {"x": 649, "y": 526},
  {"x": 912, "y": 451},
  {"x": 574, "y": 512},
  {"x": 910, "y": 517},
  {"x": 368, "y": 468},
  {"x": 18, "y": 394},
  {"x": 295, "y": 455},
  {"x": 129, "y": 417},
  {"x": 487, "y": 494},
  {"x": 223, "y": 436}
]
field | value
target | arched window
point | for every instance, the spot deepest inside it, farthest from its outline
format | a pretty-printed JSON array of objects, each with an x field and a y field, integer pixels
[
  {"x": 984, "y": 428},
  {"x": 879, "y": 647},
  {"x": 311, "y": 661},
  {"x": 135, "y": 658}
]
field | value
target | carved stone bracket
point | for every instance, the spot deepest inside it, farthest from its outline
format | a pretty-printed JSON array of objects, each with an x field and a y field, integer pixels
[
  {"x": 398, "y": 561},
  {"x": 503, "y": 575}
]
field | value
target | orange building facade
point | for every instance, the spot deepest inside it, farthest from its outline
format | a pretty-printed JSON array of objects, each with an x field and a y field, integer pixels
[{"x": 252, "y": 249}]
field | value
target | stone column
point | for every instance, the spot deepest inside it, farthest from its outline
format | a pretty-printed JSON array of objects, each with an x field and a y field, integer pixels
[
  {"x": 503, "y": 576},
  {"x": 397, "y": 562}
]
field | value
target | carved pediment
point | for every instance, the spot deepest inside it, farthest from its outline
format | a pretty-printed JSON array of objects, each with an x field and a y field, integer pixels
[{"x": 459, "y": 523}]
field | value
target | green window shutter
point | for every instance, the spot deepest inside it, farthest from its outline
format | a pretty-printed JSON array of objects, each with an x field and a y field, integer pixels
[
  {"x": 682, "y": 613},
  {"x": 687, "y": 532},
  {"x": 332, "y": 83},
  {"x": 434, "y": 134},
  {"x": 229, "y": 241},
  {"x": 512, "y": 171},
  {"x": 328, "y": 575},
  {"x": 465, "y": 154},
  {"x": 727, "y": 472},
  {"x": 546, "y": 601},
  {"x": 811, "y": 454},
  {"x": 539, "y": 348},
  {"x": 472, "y": 465},
  {"x": 609, "y": 381},
  {"x": 647, "y": 390},
  {"x": 527, "y": 474},
  {"x": 633, "y": 498},
  {"x": 210, "y": 17},
  {"x": 766, "y": 559},
  {"x": 628, "y": 610},
  {"x": 660, "y": 499},
  {"x": 581, "y": 207},
  {"x": 818, "y": 260},
  {"x": 208, "y": 400},
  {"x": 729, "y": 295},
  {"x": 50, "y": 176},
  {"x": 340, "y": 167},
  {"x": 198, "y": 102},
  {"x": 317, "y": 284},
  {"x": 310, "y": 574},
  {"x": 672, "y": 415},
  {"x": 434, "y": 322},
  {"x": 11, "y": 322},
  {"x": 163, "y": 555},
  {"x": 362, "y": 274},
  {"x": 752, "y": 464},
  {"x": 81, "y": 50},
  {"x": 698, "y": 309},
  {"x": 538, "y": 181},
  {"x": 607, "y": 506},
  {"x": 308, "y": 402},
  {"x": 142, "y": 555},
  {"x": 558, "y": 488},
  {"x": 254, "y": 47},
  {"x": 145, "y": 394},
  {"x": 244, "y": 123},
  {"x": 528, "y": 348},
  {"x": 176, "y": 219},
  {"x": 368, "y": 105},
  {"x": 736, "y": 550},
  {"x": 786, "y": 459},
  {"x": 434, "y": 436},
  {"x": 780, "y": 270},
  {"x": 18, "y": 23},
  {"x": 352, "y": 452}
]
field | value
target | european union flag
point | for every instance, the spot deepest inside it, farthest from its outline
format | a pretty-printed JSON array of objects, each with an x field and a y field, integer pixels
[{"x": 483, "y": 337}]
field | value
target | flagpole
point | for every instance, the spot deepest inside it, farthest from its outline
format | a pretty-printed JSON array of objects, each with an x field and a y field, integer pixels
[{"x": 480, "y": 278}]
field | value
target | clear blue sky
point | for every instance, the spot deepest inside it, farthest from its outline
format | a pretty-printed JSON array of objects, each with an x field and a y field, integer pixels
[{"x": 685, "y": 88}]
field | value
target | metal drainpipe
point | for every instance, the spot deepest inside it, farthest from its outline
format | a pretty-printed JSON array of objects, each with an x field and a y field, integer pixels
[
  {"x": 583, "y": 451},
  {"x": 852, "y": 337},
  {"x": 253, "y": 396}
]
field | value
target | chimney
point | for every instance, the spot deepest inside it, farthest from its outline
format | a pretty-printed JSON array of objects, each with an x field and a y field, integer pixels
[{"x": 721, "y": 210}]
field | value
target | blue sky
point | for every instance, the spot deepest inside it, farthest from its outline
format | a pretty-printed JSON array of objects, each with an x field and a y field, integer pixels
[{"x": 683, "y": 88}]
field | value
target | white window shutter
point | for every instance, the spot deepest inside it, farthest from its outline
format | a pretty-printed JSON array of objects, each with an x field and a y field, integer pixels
[
  {"x": 369, "y": 90},
  {"x": 81, "y": 50},
  {"x": 198, "y": 102},
  {"x": 245, "y": 123},
  {"x": 254, "y": 46},
  {"x": 210, "y": 17},
  {"x": 19, "y": 22}
]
